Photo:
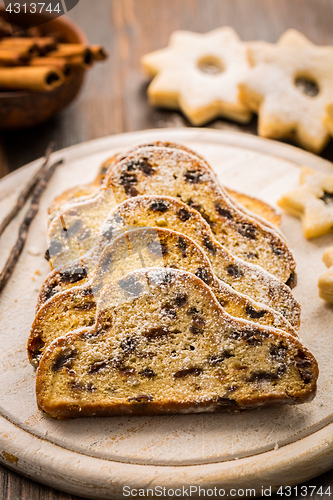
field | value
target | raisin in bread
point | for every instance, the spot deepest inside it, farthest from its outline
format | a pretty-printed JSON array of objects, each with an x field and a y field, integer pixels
[
  {"x": 258, "y": 208},
  {"x": 140, "y": 248},
  {"x": 139, "y": 360},
  {"x": 166, "y": 212},
  {"x": 175, "y": 173}
]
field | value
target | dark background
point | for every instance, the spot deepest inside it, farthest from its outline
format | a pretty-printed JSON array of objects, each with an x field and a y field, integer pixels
[{"x": 113, "y": 100}]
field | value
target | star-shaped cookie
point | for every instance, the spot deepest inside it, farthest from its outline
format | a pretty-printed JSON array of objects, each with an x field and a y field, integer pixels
[
  {"x": 325, "y": 282},
  {"x": 290, "y": 86},
  {"x": 199, "y": 74},
  {"x": 312, "y": 202},
  {"x": 329, "y": 118}
]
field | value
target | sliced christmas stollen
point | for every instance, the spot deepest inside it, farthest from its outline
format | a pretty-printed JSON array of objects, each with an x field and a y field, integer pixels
[
  {"x": 170, "y": 172},
  {"x": 257, "y": 207},
  {"x": 140, "y": 248},
  {"x": 137, "y": 360},
  {"x": 167, "y": 212}
]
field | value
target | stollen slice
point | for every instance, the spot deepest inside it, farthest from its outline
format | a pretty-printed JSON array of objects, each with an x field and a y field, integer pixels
[{"x": 137, "y": 360}]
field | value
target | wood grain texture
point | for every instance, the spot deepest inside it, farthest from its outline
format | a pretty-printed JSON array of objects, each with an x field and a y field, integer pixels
[{"x": 114, "y": 99}]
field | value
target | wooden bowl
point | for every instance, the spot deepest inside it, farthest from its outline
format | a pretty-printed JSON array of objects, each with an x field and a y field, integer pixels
[{"x": 22, "y": 109}]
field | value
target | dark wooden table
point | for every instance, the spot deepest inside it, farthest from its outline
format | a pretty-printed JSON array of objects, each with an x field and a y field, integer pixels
[{"x": 114, "y": 99}]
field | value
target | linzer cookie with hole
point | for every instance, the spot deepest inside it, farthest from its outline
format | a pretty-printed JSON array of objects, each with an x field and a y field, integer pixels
[
  {"x": 266, "y": 212},
  {"x": 141, "y": 248},
  {"x": 325, "y": 282},
  {"x": 199, "y": 74},
  {"x": 290, "y": 86},
  {"x": 138, "y": 359},
  {"x": 312, "y": 202},
  {"x": 166, "y": 212},
  {"x": 175, "y": 173}
]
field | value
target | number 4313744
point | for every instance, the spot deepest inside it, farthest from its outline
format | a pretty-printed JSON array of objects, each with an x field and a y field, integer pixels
[
  {"x": 303, "y": 491},
  {"x": 39, "y": 7}
]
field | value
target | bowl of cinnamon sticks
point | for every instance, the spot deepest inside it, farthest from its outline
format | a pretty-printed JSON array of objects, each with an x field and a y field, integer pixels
[{"x": 42, "y": 68}]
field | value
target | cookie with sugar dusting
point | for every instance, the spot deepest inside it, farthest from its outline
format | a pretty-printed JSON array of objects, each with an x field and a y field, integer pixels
[
  {"x": 329, "y": 118},
  {"x": 290, "y": 86},
  {"x": 325, "y": 283},
  {"x": 199, "y": 74},
  {"x": 312, "y": 202}
]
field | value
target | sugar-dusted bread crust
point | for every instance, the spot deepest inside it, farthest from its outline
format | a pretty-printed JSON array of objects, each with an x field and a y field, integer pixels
[
  {"x": 254, "y": 205},
  {"x": 144, "y": 247},
  {"x": 167, "y": 212},
  {"x": 171, "y": 172},
  {"x": 138, "y": 360}
]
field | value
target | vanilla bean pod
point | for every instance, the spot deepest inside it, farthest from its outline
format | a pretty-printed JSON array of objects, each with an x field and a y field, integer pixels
[
  {"x": 24, "y": 227},
  {"x": 27, "y": 190}
]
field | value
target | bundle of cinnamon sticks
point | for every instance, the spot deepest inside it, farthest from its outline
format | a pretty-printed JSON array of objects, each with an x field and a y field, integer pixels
[{"x": 30, "y": 61}]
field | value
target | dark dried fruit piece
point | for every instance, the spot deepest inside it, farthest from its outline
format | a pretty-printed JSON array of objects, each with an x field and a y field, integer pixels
[
  {"x": 157, "y": 332},
  {"x": 145, "y": 167},
  {"x": 78, "y": 386},
  {"x": 253, "y": 313},
  {"x": 223, "y": 212},
  {"x": 129, "y": 345},
  {"x": 184, "y": 214},
  {"x": 234, "y": 271},
  {"x": 126, "y": 371},
  {"x": 219, "y": 358},
  {"x": 97, "y": 367},
  {"x": 188, "y": 371},
  {"x": 197, "y": 325},
  {"x": 36, "y": 346},
  {"x": 193, "y": 176},
  {"x": 147, "y": 372},
  {"x": 248, "y": 231},
  {"x": 226, "y": 402},
  {"x": 181, "y": 300},
  {"x": 204, "y": 275},
  {"x": 209, "y": 244},
  {"x": 183, "y": 246},
  {"x": 278, "y": 251},
  {"x": 278, "y": 352},
  {"x": 72, "y": 275},
  {"x": 159, "y": 206},
  {"x": 142, "y": 398},
  {"x": 292, "y": 280},
  {"x": 64, "y": 359},
  {"x": 168, "y": 310}
]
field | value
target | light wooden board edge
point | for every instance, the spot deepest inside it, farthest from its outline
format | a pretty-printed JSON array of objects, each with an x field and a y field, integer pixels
[{"x": 96, "y": 478}]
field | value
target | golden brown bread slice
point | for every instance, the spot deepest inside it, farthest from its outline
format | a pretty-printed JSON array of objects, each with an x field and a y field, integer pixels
[
  {"x": 166, "y": 212},
  {"x": 139, "y": 359},
  {"x": 171, "y": 172},
  {"x": 254, "y": 205},
  {"x": 143, "y": 247}
]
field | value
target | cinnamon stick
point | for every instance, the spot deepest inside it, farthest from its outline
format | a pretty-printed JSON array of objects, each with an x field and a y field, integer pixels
[
  {"x": 13, "y": 58},
  {"x": 64, "y": 66},
  {"x": 36, "y": 79},
  {"x": 23, "y": 44},
  {"x": 24, "y": 227},
  {"x": 75, "y": 53},
  {"x": 27, "y": 190},
  {"x": 98, "y": 52}
]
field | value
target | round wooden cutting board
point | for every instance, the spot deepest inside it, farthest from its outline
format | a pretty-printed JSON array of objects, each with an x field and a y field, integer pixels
[{"x": 96, "y": 458}]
